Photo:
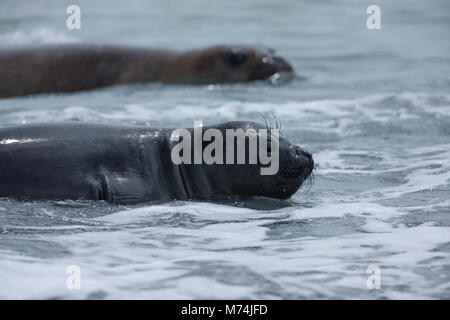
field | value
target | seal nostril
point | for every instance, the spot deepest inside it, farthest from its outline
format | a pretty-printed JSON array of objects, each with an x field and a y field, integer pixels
[
  {"x": 282, "y": 64},
  {"x": 302, "y": 154},
  {"x": 311, "y": 165},
  {"x": 308, "y": 155}
]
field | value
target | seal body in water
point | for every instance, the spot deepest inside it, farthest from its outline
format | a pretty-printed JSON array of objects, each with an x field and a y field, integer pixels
[
  {"x": 77, "y": 67},
  {"x": 127, "y": 165}
]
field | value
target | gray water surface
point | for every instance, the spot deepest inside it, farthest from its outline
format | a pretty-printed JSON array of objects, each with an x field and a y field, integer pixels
[{"x": 372, "y": 106}]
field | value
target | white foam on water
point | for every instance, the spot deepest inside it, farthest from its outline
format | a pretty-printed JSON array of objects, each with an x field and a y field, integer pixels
[
  {"x": 201, "y": 210},
  {"x": 202, "y": 250},
  {"x": 313, "y": 114},
  {"x": 35, "y": 37}
]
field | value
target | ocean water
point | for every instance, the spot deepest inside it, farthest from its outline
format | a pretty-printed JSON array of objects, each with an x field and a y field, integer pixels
[{"x": 373, "y": 106}]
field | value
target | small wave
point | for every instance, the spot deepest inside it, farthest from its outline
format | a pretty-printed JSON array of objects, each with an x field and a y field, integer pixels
[{"x": 37, "y": 36}]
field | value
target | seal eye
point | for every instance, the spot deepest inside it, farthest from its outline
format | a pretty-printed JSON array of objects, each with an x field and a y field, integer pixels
[{"x": 236, "y": 59}]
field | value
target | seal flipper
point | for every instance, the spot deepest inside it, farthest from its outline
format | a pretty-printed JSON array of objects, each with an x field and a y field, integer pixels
[
  {"x": 100, "y": 188},
  {"x": 115, "y": 188},
  {"x": 105, "y": 192}
]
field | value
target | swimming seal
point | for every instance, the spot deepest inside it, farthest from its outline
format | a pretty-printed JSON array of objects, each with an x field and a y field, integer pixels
[
  {"x": 128, "y": 165},
  {"x": 76, "y": 67}
]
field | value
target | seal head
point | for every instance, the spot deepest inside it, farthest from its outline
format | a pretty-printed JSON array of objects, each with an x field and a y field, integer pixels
[
  {"x": 225, "y": 64},
  {"x": 207, "y": 181}
]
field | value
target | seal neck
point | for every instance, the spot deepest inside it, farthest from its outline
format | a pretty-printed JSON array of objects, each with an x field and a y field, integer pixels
[{"x": 191, "y": 181}]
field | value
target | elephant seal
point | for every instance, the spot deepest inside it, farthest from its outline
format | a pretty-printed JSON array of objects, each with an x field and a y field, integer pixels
[
  {"x": 129, "y": 165},
  {"x": 77, "y": 67}
]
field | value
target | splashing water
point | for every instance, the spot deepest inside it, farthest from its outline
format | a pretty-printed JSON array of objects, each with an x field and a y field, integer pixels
[{"x": 373, "y": 107}]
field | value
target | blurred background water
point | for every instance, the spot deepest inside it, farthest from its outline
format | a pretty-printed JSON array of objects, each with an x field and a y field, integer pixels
[{"x": 373, "y": 106}]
